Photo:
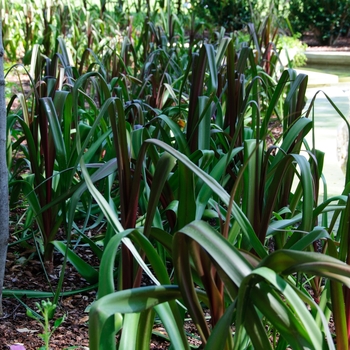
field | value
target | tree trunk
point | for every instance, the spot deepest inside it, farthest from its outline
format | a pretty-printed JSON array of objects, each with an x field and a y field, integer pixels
[{"x": 4, "y": 205}]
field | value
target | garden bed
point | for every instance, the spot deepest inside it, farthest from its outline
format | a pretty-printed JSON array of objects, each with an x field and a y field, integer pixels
[{"x": 24, "y": 271}]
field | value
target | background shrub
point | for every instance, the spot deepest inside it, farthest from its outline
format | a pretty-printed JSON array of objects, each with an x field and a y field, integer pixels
[
  {"x": 231, "y": 14},
  {"x": 327, "y": 19}
]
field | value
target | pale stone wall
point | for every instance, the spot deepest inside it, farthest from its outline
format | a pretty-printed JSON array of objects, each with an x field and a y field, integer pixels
[{"x": 342, "y": 145}]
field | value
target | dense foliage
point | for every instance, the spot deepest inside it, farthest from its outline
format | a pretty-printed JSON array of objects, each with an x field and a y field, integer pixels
[
  {"x": 231, "y": 14},
  {"x": 327, "y": 19},
  {"x": 159, "y": 136}
]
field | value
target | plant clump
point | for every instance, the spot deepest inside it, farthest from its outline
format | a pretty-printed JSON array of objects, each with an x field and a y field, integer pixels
[{"x": 148, "y": 146}]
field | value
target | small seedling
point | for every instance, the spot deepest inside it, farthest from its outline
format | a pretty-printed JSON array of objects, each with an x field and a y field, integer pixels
[{"x": 45, "y": 311}]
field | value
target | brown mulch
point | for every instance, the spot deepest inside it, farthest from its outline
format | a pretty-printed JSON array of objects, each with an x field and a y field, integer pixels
[
  {"x": 25, "y": 272},
  {"x": 17, "y": 327},
  {"x": 341, "y": 44}
]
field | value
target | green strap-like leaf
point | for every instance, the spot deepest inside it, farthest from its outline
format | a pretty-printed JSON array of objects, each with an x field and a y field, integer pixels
[
  {"x": 295, "y": 323},
  {"x": 132, "y": 301},
  {"x": 57, "y": 135},
  {"x": 163, "y": 168},
  {"x": 289, "y": 261},
  {"x": 220, "y": 191},
  {"x": 85, "y": 269}
]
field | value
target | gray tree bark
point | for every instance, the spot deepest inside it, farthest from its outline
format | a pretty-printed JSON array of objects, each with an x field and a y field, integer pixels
[{"x": 4, "y": 204}]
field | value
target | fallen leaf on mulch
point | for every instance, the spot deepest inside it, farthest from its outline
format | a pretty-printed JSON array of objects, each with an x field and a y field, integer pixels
[
  {"x": 26, "y": 330},
  {"x": 84, "y": 319}
]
